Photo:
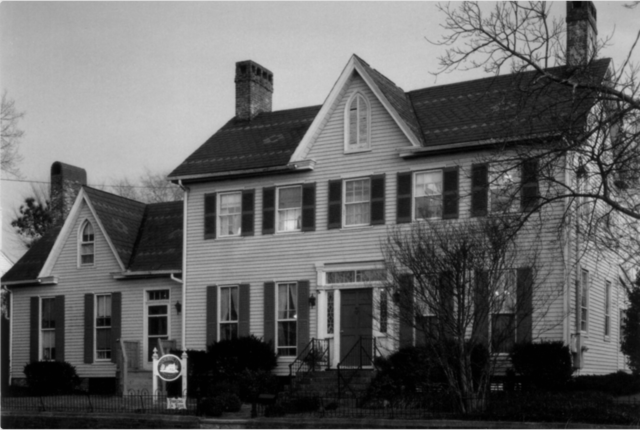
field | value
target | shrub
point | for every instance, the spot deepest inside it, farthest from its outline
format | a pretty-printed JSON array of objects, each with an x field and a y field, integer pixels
[
  {"x": 402, "y": 371},
  {"x": 252, "y": 383},
  {"x": 199, "y": 374},
  {"x": 274, "y": 411},
  {"x": 229, "y": 358},
  {"x": 211, "y": 406},
  {"x": 230, "y": 402},
  {"x": 542, "y": 366},
  {"x": 303, "y": 404},
  {"x": 616, "y": 384},
  {"x": 51, "y": 377}
]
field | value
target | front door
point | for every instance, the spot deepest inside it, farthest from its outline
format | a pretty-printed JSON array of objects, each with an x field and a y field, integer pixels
[
  {"x": 355, "y": 324},
  {"x": 157, "y": 322}
]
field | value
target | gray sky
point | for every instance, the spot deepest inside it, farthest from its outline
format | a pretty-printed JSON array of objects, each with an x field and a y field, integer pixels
[{"x": 117, "y": 88}]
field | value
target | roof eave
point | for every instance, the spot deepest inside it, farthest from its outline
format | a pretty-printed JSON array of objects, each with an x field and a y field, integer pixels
[
  {"x": 297, "y": 166},
  {"x": 144, "y": 274},
  {"x": 45, "y": 280}
]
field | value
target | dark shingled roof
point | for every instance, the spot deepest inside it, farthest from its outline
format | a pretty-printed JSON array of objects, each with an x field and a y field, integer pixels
[
  {"x": 159, "y": 246},
  {"x": 506, "y": 106},
  {"x": 29, "y": 266},
  {"x": 268, "y": 140},
  {"x": 146, "y": 237}
]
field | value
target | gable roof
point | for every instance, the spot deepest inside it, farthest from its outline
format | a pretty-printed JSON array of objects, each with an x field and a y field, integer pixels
[
  {"x": 146, "y": 237},
  {"x": 504, "y": 106}
]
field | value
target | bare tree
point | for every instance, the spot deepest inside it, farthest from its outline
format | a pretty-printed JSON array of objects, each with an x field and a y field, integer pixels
[
  {"x": 11, "y": 135},
  {"x": 578, "y": 117},
  {"x": 150, "y": 188},
  {"x": 465, "y": 286}
]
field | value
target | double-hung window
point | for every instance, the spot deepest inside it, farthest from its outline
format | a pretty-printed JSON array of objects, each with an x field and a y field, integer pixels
[
  {"x": 583, "y": 305},
  {"x": 503, "y": 190},
  {"x": 47, "y": 330},
  {"x": 607, "y": 308},
  {"x": 157, "y": 319},
  {"x": 289, "y": 209},
  {"x": 503, "y": 306},
  {"x": 103, "y": 327},
  {"x": 357, "y": 202},
  {"x": 87, "y": 245},
  {"x": 230, "y": 214},
  {"x": 287, "y": 318},
  {"x": 228, "y": 313},
  {"x": 427, "y": 195},
  {"x": 357, "y": 120}
]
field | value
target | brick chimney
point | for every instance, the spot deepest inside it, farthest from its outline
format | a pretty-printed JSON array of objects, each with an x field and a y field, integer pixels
[
  {"x": 582, "y": 30},
  {"x": 254, "y": 89},
  {"x": 66, "y": 182}
]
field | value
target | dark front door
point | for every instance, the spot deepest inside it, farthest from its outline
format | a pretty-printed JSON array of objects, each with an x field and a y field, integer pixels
[{"x": 356, "y": 324}]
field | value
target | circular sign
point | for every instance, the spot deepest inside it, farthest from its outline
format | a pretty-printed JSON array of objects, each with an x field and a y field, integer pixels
[{"x": 169, "y": 367}]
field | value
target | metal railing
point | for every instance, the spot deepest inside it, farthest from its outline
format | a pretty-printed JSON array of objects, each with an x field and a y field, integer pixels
[
  {"x": 362, "y": 353},
  {"x": 314, "y": 356}
]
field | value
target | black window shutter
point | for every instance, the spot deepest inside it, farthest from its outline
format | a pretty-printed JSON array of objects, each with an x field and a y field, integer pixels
[
  {"x": 479, "y": 189},
  {"x": 524, "y": 305},
  {"x": 270, "y": 313},
  {"x": 116, "y": 324},
  {"x": 303, "y": 315},
  {"x": 88, "y": 328},
  {"x": 247, "y": 212},
  {"x": 212, "y": 314},
  {"x": 268, "y": 210},
  {"x": 34, "y": 341},
  {"x": 481, "y": 309},
  {"x": 245, "y": 309},
  {"x": 403, "y": 208},
  {"x": 335, "y": 204},
  {"x": 529, "y": 190},
  {"x": 450, "y": 193},
  {"x": 210, "y": 216},
  {"x": 58, "y": 315},
  {"x": 377, "y": 200},
  {"x": 309, "y": 207},
  {"x": 406, "y": 310}
]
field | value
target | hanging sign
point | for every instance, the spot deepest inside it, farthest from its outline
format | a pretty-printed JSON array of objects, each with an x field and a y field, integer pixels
[{"x": 169, "y": 367}]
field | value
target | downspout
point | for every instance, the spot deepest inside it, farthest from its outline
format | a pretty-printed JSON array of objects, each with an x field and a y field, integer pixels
[{"x": 184, "y": 264}]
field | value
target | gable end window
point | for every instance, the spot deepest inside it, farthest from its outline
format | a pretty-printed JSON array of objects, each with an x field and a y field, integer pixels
[
  {"x": 87, "y": 242},
  {"x": 357, "y": 124}
]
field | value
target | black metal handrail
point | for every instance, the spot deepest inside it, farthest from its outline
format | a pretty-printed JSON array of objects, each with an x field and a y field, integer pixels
[
  {"x": 313, "y": 356},
  {"x": 359, "y": 351}
]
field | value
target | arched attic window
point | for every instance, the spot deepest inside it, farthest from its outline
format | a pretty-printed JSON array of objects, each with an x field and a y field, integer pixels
[
  {"x": 86, "y": 244},
  {"x": 357, "y": 124}
]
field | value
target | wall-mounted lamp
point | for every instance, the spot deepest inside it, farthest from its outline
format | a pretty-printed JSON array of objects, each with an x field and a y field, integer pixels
[
  {"x": 312, "y": 301},
  {"x": 178, "y": 307}
]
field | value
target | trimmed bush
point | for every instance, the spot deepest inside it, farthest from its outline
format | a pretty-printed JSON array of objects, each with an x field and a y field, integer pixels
[
  {"x": 211, "y": 407},
  {"x": 542, "y": 366},
  {"x": 616, "y": 384},
  {"x": 230, "y": 402},
  {"x": 274, "y": 411},
  {"x": 228, "y": 358},
  {"x": 51, "y": 377},
  {"x": 252, "y": 383}
]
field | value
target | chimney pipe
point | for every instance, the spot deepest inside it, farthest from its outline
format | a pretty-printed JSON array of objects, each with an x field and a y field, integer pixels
[
  {"x": 582, "y": 30},
  {"x": 66, "y": 182},
  {"x": 254, "y": 89}
]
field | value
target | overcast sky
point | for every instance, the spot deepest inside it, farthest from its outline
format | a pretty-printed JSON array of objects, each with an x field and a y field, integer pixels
[{"x": 117, "y": 88}]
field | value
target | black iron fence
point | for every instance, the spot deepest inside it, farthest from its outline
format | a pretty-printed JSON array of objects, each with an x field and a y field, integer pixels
[{"x": 134, "y": 402}]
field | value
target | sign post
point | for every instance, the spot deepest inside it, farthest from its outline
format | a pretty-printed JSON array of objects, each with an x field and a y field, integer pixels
[{"x": 169, "y": 368}]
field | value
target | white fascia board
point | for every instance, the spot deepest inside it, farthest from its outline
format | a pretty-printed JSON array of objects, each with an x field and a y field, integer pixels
[
  {"x": 353, "y": 64},
  {"x": 63, "y": 235}
]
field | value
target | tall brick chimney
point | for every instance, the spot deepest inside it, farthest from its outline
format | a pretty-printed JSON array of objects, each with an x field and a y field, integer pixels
[
  {"x": 582, "y": 30},
  {"x": 254, "y": 89},
  {"x": 66, "y": 182}
]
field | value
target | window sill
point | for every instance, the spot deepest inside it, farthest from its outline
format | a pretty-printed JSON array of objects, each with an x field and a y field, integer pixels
[
  {"x": 287, "y": 232},
  {"x": 357, "y": 227},
  {"x": 357, "y": 151},
  {"x": 234, "y": 237}
]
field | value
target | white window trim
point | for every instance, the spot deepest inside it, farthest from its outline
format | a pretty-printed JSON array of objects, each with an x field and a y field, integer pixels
[
  {"x": 587, "y": 307},
  {"x": 220, "y": 322},
  {"x": 95, "y": 327},
  {"x": 413, "y": 194},
  {"x": 83, "y": 224},
  {"x": 145, "y": 322},
  {"x": 347, "y": 121},
  {"x": 218, "y": 215},
  {"x": 278, "y": 320},
  {"x": 40, "y": 329},
  {"x": 344, "y": 203},
  {"x": 514, "y": 278},
  {"x": 277, "y": 209}
]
